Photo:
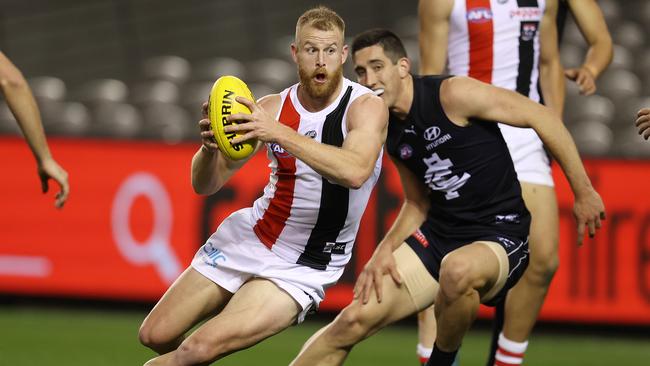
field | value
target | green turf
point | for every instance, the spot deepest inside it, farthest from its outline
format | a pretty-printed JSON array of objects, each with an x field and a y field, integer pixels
[{"x": 35, "y": 336}]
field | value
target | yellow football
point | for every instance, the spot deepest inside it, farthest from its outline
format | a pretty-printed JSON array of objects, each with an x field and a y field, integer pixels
[{"x": 222, "y": 104}]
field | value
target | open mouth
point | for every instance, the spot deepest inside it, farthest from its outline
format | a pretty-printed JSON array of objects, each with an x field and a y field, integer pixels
[
  {"x": 378, "y": 92},
  {"x": 320, "y": 77}
]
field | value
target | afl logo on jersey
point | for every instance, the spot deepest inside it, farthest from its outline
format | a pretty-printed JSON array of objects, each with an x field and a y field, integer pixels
[
  {"x": 405, "y": 151},
  {"x": 479, "y": 15},
  {"x": 432, "y": 133},
  {"x": 278, "y": 151}
]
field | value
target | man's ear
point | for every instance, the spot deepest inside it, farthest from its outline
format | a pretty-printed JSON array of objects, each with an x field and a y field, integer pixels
[
  {"x": 404, "y": 67},
  {"x": 294, "y": 50},
  {"x": 344, "y": 53}
]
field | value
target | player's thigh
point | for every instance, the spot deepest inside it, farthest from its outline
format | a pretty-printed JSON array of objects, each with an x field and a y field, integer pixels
[
  {"x": 257, "y": 310},
  {"x": 187, "y": 301},
  {"x": 541, "y": 201},
  {"x": 417, "y": 291},
  {"x": 481, "y": 265}
]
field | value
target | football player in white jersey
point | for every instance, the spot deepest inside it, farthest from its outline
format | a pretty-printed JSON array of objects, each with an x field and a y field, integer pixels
[
  {"x": 250, "y": 280},
  {"x": 591, "y": 22},
  {"x": 21, "y": 101},
  {"x": 521, "y": 49}
]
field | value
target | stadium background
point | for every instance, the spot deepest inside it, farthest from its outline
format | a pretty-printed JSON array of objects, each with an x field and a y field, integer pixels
[{"x": 119, "y": 84}]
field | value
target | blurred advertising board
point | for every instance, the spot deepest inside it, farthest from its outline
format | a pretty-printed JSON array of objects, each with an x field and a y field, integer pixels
[{"x": 133, "y": 223}]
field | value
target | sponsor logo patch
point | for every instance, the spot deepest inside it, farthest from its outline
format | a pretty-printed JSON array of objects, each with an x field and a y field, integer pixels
[
  {"x": 479, "y": 15},
  {"x": 507, "y": 219},
  {"x": 278, "y": 151},
  {"x": 431, "y": 133},
  {"x": 405, "y": 151},
  {"x": 528, "y": 31},
  {"x": 212, "y": 255},
  {"x": 421, "y": 238},
  {"x": 311, "y": 134},
  {"x": 334, "y": 248}
]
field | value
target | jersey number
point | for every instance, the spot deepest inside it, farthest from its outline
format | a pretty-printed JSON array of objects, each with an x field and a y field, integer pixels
[{"x": 438, "y": 176}]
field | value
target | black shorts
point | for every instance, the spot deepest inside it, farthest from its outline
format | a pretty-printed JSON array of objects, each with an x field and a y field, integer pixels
[{"x": 432, "y": 248}]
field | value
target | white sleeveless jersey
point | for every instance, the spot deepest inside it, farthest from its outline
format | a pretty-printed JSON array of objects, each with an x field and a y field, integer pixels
[
  {"x": 303, "y": 217},
  {"x": 497, "y": 41}
]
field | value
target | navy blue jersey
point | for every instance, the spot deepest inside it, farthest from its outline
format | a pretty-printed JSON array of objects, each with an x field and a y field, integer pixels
[{"x": 473, "y": 187}]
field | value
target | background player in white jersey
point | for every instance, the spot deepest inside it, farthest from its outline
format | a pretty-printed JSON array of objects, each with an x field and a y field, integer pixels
[
  {"x": 460, "y": 189},
  {"x": 21, "y": 101},
  {"x": 511, "y": 44},
  {"x": 591, "y": 22},
  {"x": 265, "y": 267}
]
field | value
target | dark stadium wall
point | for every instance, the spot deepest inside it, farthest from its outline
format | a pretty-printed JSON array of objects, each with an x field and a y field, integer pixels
[{"x": 133, "y": 223}]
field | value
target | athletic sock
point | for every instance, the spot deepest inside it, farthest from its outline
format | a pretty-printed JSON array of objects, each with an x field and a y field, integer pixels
[
  {"x": 510, "y": 352},
  {"x": 497, "y": 327},
  {"x": 423, "y": 353},
  {"x": 441, "y": 358}
]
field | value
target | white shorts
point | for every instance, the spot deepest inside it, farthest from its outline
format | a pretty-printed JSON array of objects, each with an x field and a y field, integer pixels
[
  {"x": 234, "y": 255},
  {"x": 527, "y": 151}
]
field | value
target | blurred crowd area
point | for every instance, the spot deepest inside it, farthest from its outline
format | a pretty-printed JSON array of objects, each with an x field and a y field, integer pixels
[{"x": 140, "y": 69}]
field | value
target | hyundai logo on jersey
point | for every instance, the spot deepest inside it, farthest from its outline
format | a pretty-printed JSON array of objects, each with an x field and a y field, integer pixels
[
  {"x": 432, "y": 133},
  {"x": 479, "y": 15}
]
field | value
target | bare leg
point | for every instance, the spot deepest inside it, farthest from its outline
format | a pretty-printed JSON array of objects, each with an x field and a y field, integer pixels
[
  {"x": 465, "y": 275},
  {"x": 426, "y": 330},
  {"x": 189, "y": 300},
  {"x": 258, "y": 310},
  {"x": 332, "y": 344},
  {"x": 525, "y": 299}
]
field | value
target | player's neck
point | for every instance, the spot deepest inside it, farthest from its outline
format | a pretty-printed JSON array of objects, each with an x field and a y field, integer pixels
[
  {"x": 402, "y": 105},
  {"x": 316, "y": 104}
]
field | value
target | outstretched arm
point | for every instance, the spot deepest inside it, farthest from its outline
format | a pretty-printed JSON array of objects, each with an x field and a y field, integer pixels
[
  {"x": 464, "y": 98},
  {"x": 23, "y": 106},
  {"x": 349, "y": 165},
  {"x": 592, "y": 24},
  {"x": 433, "y": 16},
  {"x": 410, "y": 218}
]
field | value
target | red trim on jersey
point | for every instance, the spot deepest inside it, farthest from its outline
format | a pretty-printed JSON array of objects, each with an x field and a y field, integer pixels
[
  {"x": 481, "y": 39},
  {"x": 269, "y": 227}
]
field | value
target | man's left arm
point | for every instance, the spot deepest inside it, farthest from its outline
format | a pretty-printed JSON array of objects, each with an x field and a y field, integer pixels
[
  {"x": 593, "y": 27},
  {"x": 551, "y": 75},
  {"x": 349, "y": 165},
  {"x": 465, "y": 98}
]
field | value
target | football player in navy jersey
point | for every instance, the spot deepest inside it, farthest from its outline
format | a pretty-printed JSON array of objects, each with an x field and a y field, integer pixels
[{"x": 460, "y": 238}]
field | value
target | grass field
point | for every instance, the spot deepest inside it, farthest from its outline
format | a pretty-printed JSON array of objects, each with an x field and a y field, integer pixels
[{"x": 50, "y": 336}]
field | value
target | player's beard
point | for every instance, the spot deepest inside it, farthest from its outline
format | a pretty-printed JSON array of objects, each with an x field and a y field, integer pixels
[{"x": 324, "y": 90}]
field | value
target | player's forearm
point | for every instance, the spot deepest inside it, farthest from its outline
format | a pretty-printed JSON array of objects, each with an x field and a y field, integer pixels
[
  {"x": 558, "y": 140},
  {"x": 24, "y": 108},
  {"x": 599, "y": 55},
  {"x": 338, "y": 165},
  {"x": 209, "y": 171},
  {"x": 409, "y": 219},
  {"x": 552, "y": 85}
]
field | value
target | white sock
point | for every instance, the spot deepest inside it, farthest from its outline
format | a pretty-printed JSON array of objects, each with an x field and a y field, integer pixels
[
  {"x": 510, "y": 352},
  {"x": 423, "y": 352}
]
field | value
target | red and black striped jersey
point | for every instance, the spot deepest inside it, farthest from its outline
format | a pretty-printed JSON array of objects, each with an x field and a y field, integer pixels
[
  {"x": 303, "y": 217},
  {"x": 497, "y": 41}
]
